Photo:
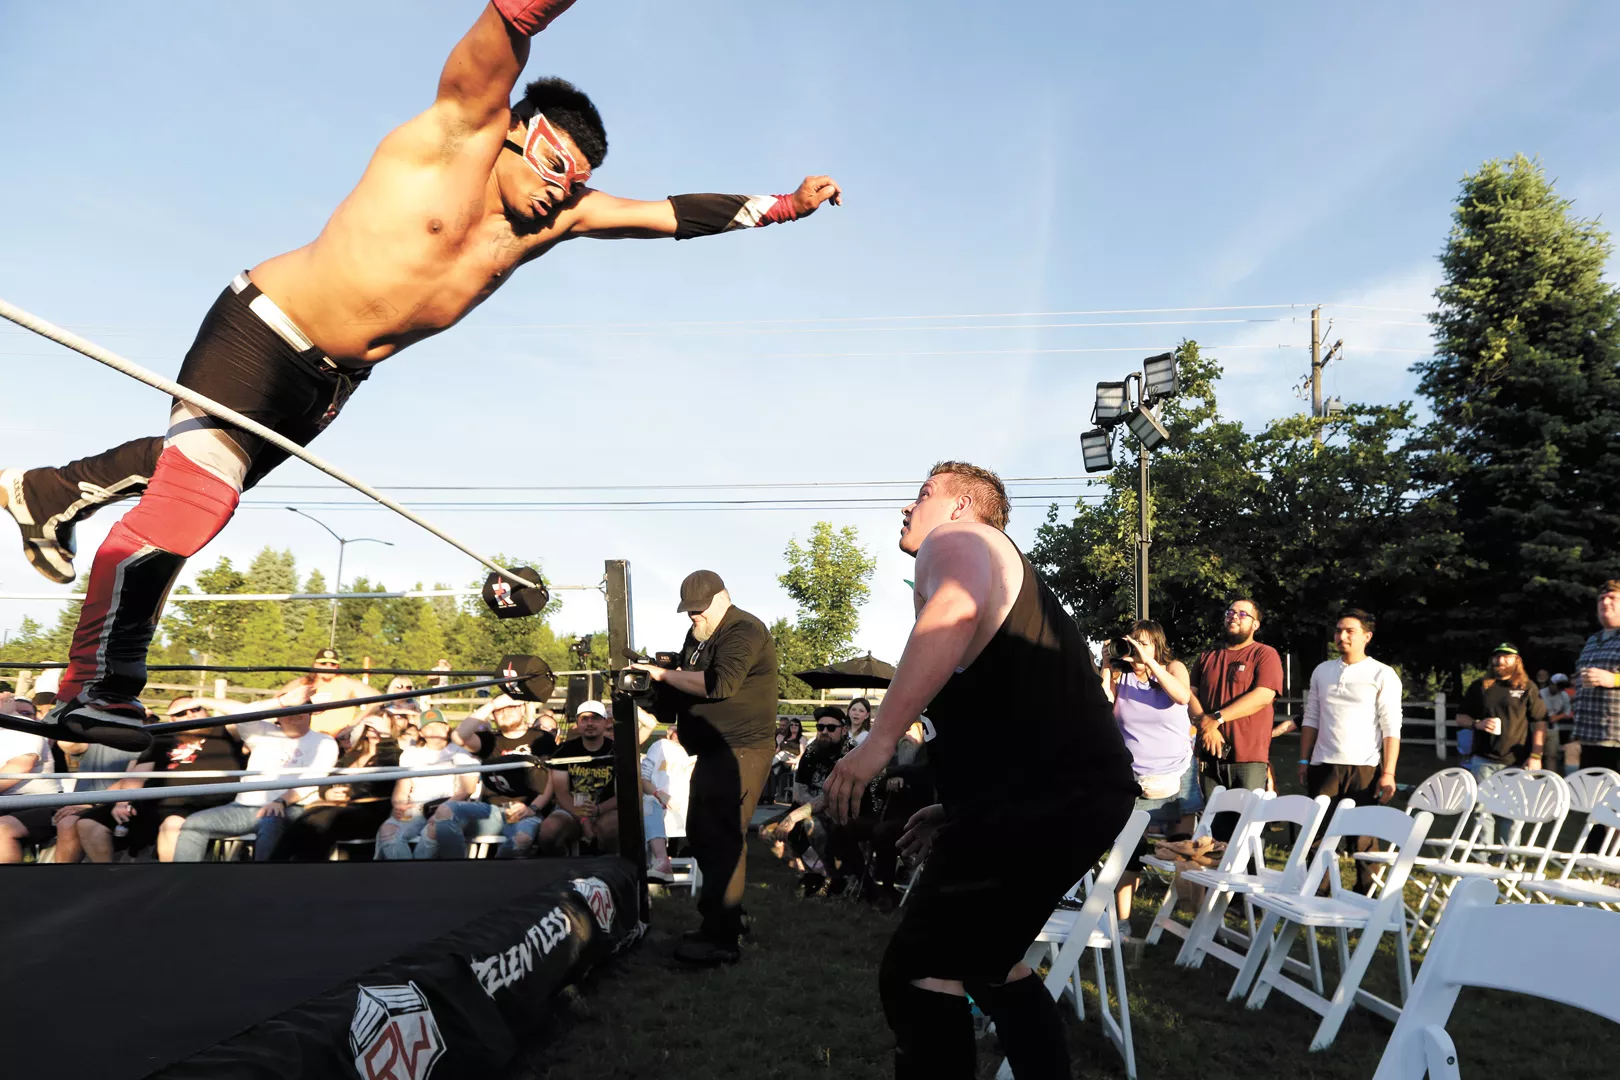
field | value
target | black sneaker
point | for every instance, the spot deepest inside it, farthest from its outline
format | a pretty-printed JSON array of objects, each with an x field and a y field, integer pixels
[
  {"x": 708, "y": 953},
  {"x": 114, "y": 724},
  {"x": 48, "y": 551}
]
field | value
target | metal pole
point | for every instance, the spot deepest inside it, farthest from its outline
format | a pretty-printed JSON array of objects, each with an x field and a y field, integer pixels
[
  {"x": 337, "y": 587},
  {"x": 1316, "y": 369},
  {"x": 1144, "y": 539}
]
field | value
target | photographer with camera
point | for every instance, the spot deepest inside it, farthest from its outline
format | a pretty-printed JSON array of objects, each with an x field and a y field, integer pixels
[
  {"x": 1151, "y": 691},
  {"x": 722, "y": 696}
]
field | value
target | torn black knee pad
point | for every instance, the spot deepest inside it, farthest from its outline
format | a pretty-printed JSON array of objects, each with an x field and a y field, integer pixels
[{"x": 1028, "y": 1024}]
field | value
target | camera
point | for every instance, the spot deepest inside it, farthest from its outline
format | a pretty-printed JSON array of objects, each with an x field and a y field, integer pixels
[
  {"x": 635, "y": 681},
  {"x": 1122, "y": 653}
]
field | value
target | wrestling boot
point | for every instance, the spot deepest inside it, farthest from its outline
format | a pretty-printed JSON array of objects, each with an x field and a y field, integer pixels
[
  {"x": 746, "y": 922},
  {"x": 115, "y": 724},
  {"x": 716, "y": 943},
  {"x": 50, "y": 551}
]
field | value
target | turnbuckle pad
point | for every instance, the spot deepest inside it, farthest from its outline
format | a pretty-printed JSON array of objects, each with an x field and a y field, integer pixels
[
  {"x": 510, "y": 601},
  {"x": 533, "y": 679}
]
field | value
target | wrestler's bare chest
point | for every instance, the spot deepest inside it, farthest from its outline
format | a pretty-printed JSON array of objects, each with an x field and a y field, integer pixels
[{"x": 407, "y": 255}]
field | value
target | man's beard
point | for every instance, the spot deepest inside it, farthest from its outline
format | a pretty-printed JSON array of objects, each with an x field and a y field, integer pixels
[
  {"x": 702, "y": 628},
  {"x": 1234, "y": 638}
]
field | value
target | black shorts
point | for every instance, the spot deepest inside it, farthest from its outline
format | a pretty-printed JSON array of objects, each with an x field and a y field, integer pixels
[
  {"x": 256, "y": 363},
  {"x": 37, "y": 820},
  {"x": 991, "y": 881}
]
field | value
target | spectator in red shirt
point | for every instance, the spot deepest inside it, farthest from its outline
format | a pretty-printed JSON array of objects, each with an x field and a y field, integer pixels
[{"x": 1234, "y": 686}]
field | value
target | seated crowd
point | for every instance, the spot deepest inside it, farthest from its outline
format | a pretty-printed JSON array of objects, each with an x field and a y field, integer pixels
[
  {"x": 860, "y": 856},
  {"x": 560, "y": 798}
]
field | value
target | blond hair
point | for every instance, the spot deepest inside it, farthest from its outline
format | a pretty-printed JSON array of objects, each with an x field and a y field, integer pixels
[{"x": 984, "y": 487}]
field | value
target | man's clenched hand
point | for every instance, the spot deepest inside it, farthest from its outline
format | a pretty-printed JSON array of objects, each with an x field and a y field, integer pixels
[{"x": 813, "y": 192}]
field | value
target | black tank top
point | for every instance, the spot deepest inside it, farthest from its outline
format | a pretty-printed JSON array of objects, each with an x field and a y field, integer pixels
[{"x": 1027, "y": 722}]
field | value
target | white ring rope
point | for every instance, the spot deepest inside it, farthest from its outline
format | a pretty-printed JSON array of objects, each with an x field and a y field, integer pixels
[
  {"x": 231, "y": 416},
  {"x": 406, "y": 594},
  {"x": 10, "y": 803}
]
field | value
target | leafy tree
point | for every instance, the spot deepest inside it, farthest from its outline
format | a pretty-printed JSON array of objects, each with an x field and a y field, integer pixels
[
  {"x": 1525, "y": 390},
  {"x": 792, "y": 654},
  {"x": 215, "y": 628},
  {"x": 828, "y": 578},
  {"x": 1304, "y": 528}
]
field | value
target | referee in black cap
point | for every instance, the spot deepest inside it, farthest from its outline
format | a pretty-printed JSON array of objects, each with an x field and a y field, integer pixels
[{"x": 723, "y": 697}]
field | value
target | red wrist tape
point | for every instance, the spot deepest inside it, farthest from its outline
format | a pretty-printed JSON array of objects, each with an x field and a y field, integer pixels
[
  {"x": 781, "y": 210},
  {"x": 531, "y": 16}
]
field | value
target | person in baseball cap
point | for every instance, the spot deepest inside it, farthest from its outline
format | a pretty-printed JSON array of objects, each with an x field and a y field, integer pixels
[
  {"x": 722, "y": 696},
  {"x": 699, "y": 590}
]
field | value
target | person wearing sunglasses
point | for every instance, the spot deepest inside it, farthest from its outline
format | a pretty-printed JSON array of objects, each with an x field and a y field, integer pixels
[
  {"x": 452, "y": 202},
  {"x": 1234, "y": 686}
]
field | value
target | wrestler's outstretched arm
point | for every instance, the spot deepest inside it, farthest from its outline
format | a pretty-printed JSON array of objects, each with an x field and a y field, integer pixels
[
  {"x": 475, "y": 87},
  {"x": 607, "y": 217}
]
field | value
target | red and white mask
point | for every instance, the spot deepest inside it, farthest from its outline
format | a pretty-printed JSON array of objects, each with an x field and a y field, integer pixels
[{"x": 543, "y": 146}]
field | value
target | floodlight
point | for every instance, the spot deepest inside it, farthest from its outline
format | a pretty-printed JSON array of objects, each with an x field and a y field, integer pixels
[
  {"x": 1333, "y": 406},
  {"x": 1159, "y": 376},
  {"x": 1112, "y": 401},
  {"x": 1097, "y": 450},
  {"x": 1147, "y": 429}
]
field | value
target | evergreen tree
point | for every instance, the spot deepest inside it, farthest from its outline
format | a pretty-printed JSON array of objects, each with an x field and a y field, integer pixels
[{"x": 1525, "y": 390}]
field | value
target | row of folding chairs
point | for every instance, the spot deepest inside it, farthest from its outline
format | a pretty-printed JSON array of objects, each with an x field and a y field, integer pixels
[
  {"x": 1508, "y": 831},
  {"x": 1305, "y": 894}
]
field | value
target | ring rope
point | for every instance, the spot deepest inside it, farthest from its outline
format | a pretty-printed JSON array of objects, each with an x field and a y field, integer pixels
[
  {"x": 420, "y": 691},
  {"x": 361, "y": 771},
  {"x": 10, "y": 803},
  {"x": 95, "y": 352},
  {"x": 169, "y": 727}
]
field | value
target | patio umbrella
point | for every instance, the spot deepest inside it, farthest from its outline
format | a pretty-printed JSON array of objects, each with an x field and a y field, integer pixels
[{"x": 863, "y": 672}]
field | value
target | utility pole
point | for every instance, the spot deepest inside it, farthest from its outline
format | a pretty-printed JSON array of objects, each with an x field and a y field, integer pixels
[
  {"x": 1144, "y": 538},
  {"x": 1316, "y": 369}
]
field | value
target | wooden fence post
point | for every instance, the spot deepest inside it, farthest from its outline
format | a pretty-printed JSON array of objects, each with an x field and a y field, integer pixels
[{"x": 1440, "y": 741}]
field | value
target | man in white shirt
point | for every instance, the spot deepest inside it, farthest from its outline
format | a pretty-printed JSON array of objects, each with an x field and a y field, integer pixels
[
  {"x": 1351, "y": 735},
  {"x": 273, "y": 746},
  {"x": 24, "y": 753},
  {"x": 416, "y": 797}
]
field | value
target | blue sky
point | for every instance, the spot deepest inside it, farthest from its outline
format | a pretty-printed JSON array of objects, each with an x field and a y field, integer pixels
[{"x": 1005, "y": 161}]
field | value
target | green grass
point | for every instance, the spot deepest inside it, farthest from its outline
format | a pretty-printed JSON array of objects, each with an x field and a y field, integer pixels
[{"x": 803, "y": 1003}]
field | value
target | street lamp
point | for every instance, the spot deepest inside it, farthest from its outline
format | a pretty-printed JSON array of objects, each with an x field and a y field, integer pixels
[
  {"x": 337, "y": 585},
  {"x": 1117, "y": 405}
]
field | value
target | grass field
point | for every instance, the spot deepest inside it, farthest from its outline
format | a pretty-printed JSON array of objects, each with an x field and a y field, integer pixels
[{"x": 803, "y": 1003}]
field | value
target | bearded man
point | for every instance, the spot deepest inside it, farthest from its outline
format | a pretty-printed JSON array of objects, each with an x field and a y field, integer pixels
[{"x": 723, "y": 699}]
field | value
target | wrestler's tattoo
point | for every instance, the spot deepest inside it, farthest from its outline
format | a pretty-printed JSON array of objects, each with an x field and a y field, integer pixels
[{"x": 377, "y": 311}]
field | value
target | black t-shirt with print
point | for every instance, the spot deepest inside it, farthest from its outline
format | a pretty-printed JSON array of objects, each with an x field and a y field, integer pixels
[
  {"x": 593, "y": 780},
  {"x": 816, "y": 765},
  {"x": 514, "y": 785},
  {"x": 172, "y": 756},
  {"x": 1517, "y": 709}
]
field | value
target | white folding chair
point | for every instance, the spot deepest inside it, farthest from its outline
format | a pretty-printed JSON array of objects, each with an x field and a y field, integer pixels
[
  {"x": 1342, "y": 911},
  {"x": 1534, "y": 804},
  {"x": 1246, "y": 874},
  {"x": 1068, "y": 933},
  {"x": 1578, "y": 952},
  {"x": 1587, "y": 790},
  {"x": 1605, "y": 815},
  {"x": 1448, "y": 793},
  {"x": 1220, "y": 801}
]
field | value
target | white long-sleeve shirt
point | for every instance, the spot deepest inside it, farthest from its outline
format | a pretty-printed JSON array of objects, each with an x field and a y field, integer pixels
[{"x": 1353, "y": 707}]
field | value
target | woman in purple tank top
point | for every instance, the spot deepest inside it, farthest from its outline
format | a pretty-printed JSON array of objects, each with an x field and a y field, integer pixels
[{"x": 1150, "y": 691}]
